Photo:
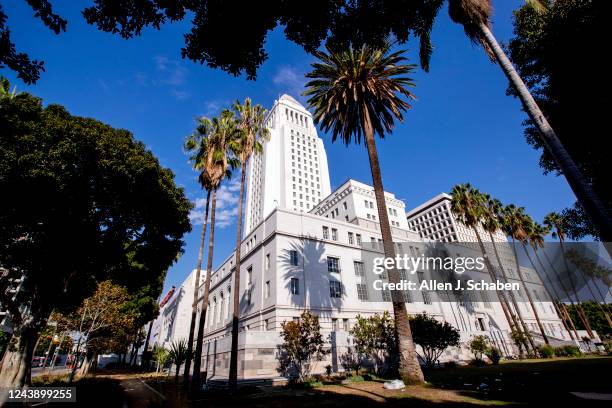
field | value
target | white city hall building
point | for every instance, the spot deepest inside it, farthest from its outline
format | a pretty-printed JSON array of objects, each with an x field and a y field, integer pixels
[{"x": 303, "y": 249}]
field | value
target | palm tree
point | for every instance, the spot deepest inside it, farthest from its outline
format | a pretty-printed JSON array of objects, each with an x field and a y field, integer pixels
[
  {"x": 536, "y": 239},
  {"x": 160, "y": 355},
  {"x": 467, "y": 204},
  {"x": 358, "y": 92},
  {"x": 474, "y": 16},
  {"x": 178, "y": 355},
  {"x": 213, "y": 157},
  {"x": 530, "y": 228},
  {"x": 198, "y": 146},
  {"x": 252, "y": 131},
  {"x": 491, "y": 223},
  {"x": 555, "y": 223},
  {"x": 513, "y": 225}
]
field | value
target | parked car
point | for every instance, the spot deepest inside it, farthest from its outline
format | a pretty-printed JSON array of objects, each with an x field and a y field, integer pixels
[{"x": 37, "y": 361}]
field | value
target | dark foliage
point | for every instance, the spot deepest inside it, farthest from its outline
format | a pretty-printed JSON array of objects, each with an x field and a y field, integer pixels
[
  {"x": 558, "y": 55},
  {"x": 82, "y": 202}
]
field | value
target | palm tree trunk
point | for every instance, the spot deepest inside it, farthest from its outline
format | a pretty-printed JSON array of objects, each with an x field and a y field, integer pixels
[
  {"x": 505, "y": 304},
  {"x": 535, "y": 311},
  {"x": 578, "y": 306},
  {"x": 566, "y": 292},
  {"x": 584, "y": 192},
  {"x": 518, "y": 269},
  {"x": 512, "y": 297},
  {"x": 502, "y": 297},
  {"x": 556, "y": 300},
  {"x": 197, "y": 355},
  {"x": 196, "y": 290},
  {"x": 409, "y": 367},
  {"x": 599, "y": 305},
  {"x": 233, "y": 370}
]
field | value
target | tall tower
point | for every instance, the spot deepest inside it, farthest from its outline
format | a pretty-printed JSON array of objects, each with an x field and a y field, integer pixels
[{"x": 292, "y": 171}]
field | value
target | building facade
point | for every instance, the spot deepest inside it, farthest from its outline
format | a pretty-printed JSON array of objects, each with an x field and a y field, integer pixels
[
  {"x": 309, "y": 254},
  {"x": 292, "y": 171}
]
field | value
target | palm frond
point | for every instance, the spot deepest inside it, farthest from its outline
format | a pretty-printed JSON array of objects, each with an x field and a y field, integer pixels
[{"x": 349, "y": 84}]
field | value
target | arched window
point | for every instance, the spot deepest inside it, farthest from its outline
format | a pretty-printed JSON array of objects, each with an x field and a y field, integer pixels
[{"x": 221, "y": 306}]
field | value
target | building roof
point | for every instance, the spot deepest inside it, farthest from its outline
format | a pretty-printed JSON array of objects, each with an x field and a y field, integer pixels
[{"x": 427, "y": 204}]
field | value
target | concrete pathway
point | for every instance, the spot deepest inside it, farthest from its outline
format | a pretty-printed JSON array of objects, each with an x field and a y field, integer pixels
[{"x": 141, "y": 395}]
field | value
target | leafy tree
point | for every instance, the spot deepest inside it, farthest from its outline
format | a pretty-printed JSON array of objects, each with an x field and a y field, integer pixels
[
  {"x": 433, "y": 336},
  {"x": 99, "y": 316},
  {"x": 360, "y": 92},
  {"x": 302, "y": 345},
  {"x": 178, "y": 355},
  {"x": 28, "y": 70},
  {"x": 595, "y": 316},
  {"x": 539, "y": 50},
  {"x": 88, "y": 203},
  {"x": 479, "y": 345},
  {"x": 374, "y": 338},
  {"x": 247, "y": 141}
]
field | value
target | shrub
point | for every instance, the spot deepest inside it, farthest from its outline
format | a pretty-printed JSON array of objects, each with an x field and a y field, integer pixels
[
  {"x": 478, "y": 362},
  {"x": 302, "y": 345},
  {"x": 568, "y": 351},
  {"x": 494, "y": 355},
  {"x": 547, "y": 351},
  {"x": 433, "y": 336},
  {"x": 450, "y": 364},
  {"x": 479, "y": 346}
]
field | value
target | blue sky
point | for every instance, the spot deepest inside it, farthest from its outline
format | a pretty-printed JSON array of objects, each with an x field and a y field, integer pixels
[{"x": 462, "y": 127}]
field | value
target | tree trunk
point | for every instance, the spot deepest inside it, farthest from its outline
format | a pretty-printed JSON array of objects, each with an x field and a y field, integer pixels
[
  {"x": 17, "y": 365},
  {"x": 535, "y": 312},
  {"x": 196, "y": 291},
  {"x": 556, "y": 300},
  {"x": 518, "y": 270},
  {"x": 567, "y": 294},
  {"x": 583, "y": 191},
  {"x": 518, "y": 315},
  {"x": 233, "y": 369},
  {"x": 197, "y": 356},
  {"x": 502, "y": 296},
  {"x": 578, "y": 306},
  {"x": 145, "y": 362},
  {"x": 599, "y": 305},
  {"x": 90, "y": 361},
  {"x": 75, "y": 363},
  {"x": 409, "y": 367}
]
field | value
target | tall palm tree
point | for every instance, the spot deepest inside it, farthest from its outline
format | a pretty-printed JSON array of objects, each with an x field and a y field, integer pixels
[
  {"x": 555, "y": 223},
  {"x": 475, "y": 17},
  {"x": 491, "y": 223},
  {"x": 530, "y": 228},
  {"x": 536, "y": 240},
  {"x": 358, "y": 92},
  {"x": 214, "y": 158},
  {"x": 514, "y": 226},
  {"x": 198, "y": 146},
  {"x": 252, "y": 131},
  {"x": 467, "y": 204}
]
